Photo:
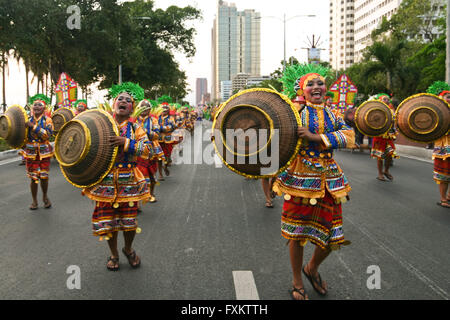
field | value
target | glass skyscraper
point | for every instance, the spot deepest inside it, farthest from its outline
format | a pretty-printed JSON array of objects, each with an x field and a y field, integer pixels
[{"x": 236, "y": 47}]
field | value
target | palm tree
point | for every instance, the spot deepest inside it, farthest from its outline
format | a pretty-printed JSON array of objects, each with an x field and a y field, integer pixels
[{"x": 387, "y": 57}]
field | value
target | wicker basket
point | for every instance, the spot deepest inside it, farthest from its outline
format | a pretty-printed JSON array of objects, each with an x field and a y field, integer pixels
[
  {"x": 60, "y": 117},
  {"x": 374, "y": 118},
  {"x": 83, "y": 150},
  {"x": 423, "y": 117},
  {"x": 13, "y": 126},
  {"x": 252, "y": 153}
]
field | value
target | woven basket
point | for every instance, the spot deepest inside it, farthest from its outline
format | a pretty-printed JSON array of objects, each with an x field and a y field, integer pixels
[
  {"x": 374, "y": 118},
  {"x": 423, "y": 117},
  {"x": 253, "y": 130},
  {"x": 60, "y": 117},
  {"x": 13, "y": 126},
  {"x": 83, "y": 150}
]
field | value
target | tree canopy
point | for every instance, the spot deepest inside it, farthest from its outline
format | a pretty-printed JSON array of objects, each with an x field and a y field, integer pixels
[{"x": 134, "y": 34}]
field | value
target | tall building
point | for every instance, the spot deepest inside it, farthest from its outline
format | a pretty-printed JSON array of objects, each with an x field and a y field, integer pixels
[
  {"x": 236, "y": 45},
  {"x": 201, "y": 88},
  {"x": 368, "y": 16},
  {"x": 352, "y": 22},
  {"x": 342, "y": 17}
]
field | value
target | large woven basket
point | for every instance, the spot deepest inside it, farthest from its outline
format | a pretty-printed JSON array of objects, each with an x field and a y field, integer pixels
[
  {"x": 255, "y": 133},
  {"x": 374, "y": 118},
  {"x": 83, "y": 149},
  {"x": 423, "y": 117},
  {"x": 60, "y": 117},
  {"x": 13, "y": 126}
]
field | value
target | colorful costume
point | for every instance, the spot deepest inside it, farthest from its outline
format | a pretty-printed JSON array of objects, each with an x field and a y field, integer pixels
[
  {"x": 441, "y": 152},
  {"x": 118, "y": 193},
  {"x": 166, "y": 126},
  {"x": 383, "y": 146},
  {"x": 37, "y": 150},
  {"x": 314, "y": 183}
]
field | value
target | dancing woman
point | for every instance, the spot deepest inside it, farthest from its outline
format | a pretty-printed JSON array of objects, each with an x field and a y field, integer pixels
[{"x": 314, "y": 184}]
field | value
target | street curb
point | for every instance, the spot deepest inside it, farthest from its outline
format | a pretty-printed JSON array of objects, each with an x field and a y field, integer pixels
[{"x": 8, "y": 154}]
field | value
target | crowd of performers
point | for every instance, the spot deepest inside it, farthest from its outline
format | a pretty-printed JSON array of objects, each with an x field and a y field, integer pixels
[
  {"x": 148, "y": 132},
  {"x": 314, "y": 185}
]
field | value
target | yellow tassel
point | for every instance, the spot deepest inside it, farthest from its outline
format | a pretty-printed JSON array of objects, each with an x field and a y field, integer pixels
[
  {"x": 287, "y": 197},
  {"x": 100, "y": 239},
  {"x": 313, "y": 202},
  {"x": 115, "y": 205},
  {"x": 131, "y": 204},
  {"x": 138, "y": 230}
]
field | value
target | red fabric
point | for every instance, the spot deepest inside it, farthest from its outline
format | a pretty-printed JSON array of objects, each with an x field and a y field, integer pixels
[{"x": 167, "y": 149}]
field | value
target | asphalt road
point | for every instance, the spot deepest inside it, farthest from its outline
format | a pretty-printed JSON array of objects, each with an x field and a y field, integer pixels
[{"x": 210, "y": 223}]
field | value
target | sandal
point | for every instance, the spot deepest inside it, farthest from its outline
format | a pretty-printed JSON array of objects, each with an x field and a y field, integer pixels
[
  {"x": 47, "y": 204},
  {"x": 315, "y": 282},
  {"x": 300, "y": 291},
  {"x": 381, "y": 179},
  {"x": 269, "y": 204},
  {"x": 166, "y": 171},
  {"x": 443, "y": 204},
  {"x": 115, "y": 262},
  {"x": 132, "y": 258},
  {"x": 389, "y": 176},
  {"x": 34, "y": 206}
]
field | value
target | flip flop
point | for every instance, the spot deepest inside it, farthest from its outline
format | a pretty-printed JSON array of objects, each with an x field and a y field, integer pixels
[
  {"x": 269, "y": 204},
  {"x": 33, "y": 207},
  {"x": 388, "y": 175},
  {"x": 132, "y": 257},
  {"x": 48, "y": 204},
  {"x": 381, "y": 179},
  {"x": 441, "y": 204},
  {"x": 115, "y": 261},
  {"x": 313, "y": 281},
  {"x": 300, "y": 291}
]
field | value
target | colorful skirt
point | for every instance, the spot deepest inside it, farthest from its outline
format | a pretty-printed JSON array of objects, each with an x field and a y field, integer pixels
[
  {"x": 107, "y": 219},
  {"x": 321, "y": 223},
  {"x": 441, "y": 173},
  {"x": 383, "y": 148},
  {"x": 37, "y": 168},
  {"x": 167, "y": 149}
]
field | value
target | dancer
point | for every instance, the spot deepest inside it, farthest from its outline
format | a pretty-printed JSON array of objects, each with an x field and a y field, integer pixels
[
  {"x": 383, "y": 147},
  {"x": 37, "y": 150},
  {"x": 118, "y": 193},
  {"x": 314, "y": 184},
  {"x": 441, "y": 152}
]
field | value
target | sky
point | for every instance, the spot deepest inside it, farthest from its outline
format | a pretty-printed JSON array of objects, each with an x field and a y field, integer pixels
[{"x": 298, "y": 30}]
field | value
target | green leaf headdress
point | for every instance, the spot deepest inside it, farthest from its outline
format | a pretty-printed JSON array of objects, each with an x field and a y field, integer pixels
[
  {"x": 439, "y": 88},
  {"x": 133, "y": 89},
  {"x": 82, "y": 101},
  {"x": 164, "y": 98},
  {"x": 295, "y": 77},
  {"x": 40, "y": 97}
]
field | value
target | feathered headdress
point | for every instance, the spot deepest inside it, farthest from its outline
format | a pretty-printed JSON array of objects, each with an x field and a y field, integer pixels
[
  {"x": 164, "y": 98},
  {"x": 296, "y": 76},
  {"x": 439, "y": 88},
  {"x": 40, "y": 97},
  {"x": 82, "y": 101},
  {"x": 144, "y": 105},
  {"x": 133, "y": 89}
]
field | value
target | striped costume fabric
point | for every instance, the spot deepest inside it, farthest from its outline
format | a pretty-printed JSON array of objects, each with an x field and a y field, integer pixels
[
  {"x": 37, "y": 168},
  {"x": 321, "y": 224},
  {"x": 107, "y": 219},
  {"x": 441, "y": 156}
]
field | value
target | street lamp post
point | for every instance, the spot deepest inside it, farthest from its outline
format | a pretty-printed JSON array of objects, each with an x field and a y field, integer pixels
[{"x": 284, "y": 20}]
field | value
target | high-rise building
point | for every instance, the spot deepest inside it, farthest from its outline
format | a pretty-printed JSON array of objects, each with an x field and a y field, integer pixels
[
  {"x": 368, "y": 16},
  {"x": 201, "y": 88},
  {"x": 226, "y": 89},
  {"x": 342, "y": 15},
  {"x": 236, "y": 46},
  {"x": 352, "y": 22}
]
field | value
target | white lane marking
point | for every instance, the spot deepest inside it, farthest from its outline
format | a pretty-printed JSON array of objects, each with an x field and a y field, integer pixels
[{"x": 244, "y": 285}]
